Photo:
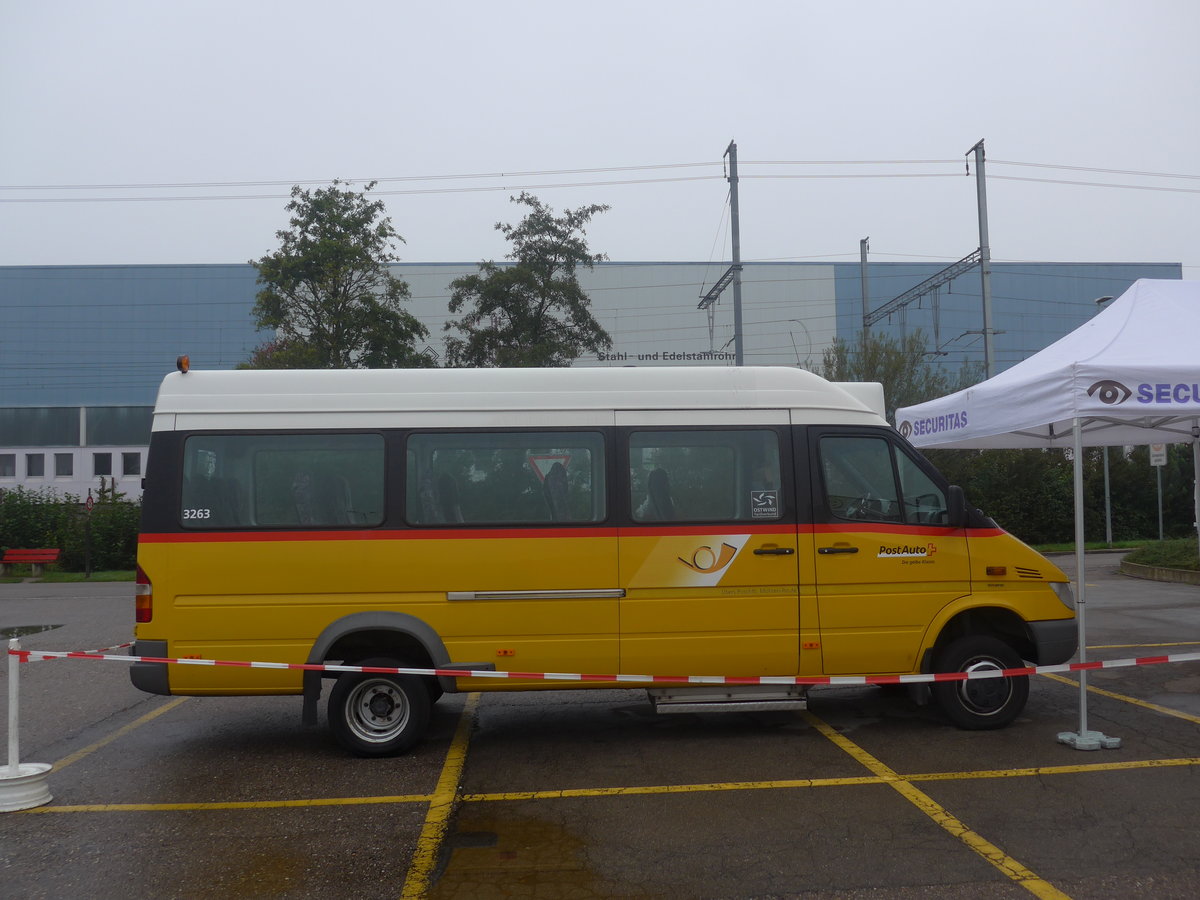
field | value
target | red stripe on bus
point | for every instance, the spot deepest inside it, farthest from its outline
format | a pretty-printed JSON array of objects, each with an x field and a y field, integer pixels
[
  {"x": 423, "y": 534},
  {"x": 202, "y": 537},
  {"x": 891, "y": 528},
  {"x": 446, "y": 534}
]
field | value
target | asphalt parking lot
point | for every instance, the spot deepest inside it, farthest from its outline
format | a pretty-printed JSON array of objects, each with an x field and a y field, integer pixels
[{"x": 580, "y": 794}]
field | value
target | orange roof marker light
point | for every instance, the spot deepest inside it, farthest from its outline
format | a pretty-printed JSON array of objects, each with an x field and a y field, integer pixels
[{"x": 182, "y": 363}]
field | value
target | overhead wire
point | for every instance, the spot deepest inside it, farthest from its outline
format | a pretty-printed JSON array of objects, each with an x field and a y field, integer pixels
[
  {"x": 531, "y": 173},
  {"x": 640, "y": 310},
  {"x": 543, "y": 173},
  {"x": 383, "y": 179},
  {"x": 1107, "y": 184}
]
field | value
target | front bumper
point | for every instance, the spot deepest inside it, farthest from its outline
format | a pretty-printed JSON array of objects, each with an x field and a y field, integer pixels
[{"x": 1054, "y": 641}]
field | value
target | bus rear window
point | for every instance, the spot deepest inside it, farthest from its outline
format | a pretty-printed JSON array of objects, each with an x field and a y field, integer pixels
[{"x": 282, "y": 481}]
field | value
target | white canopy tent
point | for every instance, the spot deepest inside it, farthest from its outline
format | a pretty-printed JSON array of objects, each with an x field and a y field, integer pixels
[{"x": 1130, "y": 375}]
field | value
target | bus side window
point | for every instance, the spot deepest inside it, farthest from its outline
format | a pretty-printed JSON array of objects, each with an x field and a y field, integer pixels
[
  {"x": 282, "y": 480},
  {"x": 704, "y": 475},
  {"x": 498, "y": 478}
]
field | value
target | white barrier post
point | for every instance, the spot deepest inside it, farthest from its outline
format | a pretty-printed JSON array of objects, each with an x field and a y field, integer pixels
[{"x": 21, "y": 786}]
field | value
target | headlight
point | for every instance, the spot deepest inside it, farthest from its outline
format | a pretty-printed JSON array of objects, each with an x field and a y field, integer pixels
[{"x": 1062, "y": 590}]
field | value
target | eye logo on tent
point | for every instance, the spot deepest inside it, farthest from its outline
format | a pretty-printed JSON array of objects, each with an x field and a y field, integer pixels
[
  {"x": 905, "y": 429},
  {"x": 1109, "y": 392}
]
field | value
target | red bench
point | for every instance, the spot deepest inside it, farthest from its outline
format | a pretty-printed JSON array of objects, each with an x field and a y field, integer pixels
[{"x": 35, "y": 558}]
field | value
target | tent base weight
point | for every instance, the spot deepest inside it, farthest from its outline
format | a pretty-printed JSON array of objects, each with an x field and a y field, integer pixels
[{"x": 1089, "y": 740}]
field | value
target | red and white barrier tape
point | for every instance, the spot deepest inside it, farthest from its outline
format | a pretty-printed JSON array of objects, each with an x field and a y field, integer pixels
[
  {"x": 91, "y": 652},
  {"x": 33, "y": 655}
]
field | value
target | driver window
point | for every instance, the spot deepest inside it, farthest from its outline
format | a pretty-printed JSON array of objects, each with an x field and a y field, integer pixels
[
  {"x": 924, "y": 502},
  {"x": 859, "y": 481}
]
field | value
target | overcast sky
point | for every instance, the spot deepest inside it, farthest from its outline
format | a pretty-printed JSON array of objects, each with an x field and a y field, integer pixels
[{"x": 251, "y": 96}]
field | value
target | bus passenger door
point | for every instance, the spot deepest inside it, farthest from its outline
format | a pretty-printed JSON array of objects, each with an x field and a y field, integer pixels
[
  {"x": 708, "y": 557},
  {"x": 886, "y": 558}
]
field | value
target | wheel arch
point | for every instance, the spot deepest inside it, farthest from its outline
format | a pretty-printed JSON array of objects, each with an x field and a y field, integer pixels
[
  {"x": 998, "y": 621},
  {"x": 366, "y": 634}
]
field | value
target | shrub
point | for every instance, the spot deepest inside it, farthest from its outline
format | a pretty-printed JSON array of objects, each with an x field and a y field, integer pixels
[
  {"x": 1177, "y": 554},
  {"x": 45, "y": 518}
]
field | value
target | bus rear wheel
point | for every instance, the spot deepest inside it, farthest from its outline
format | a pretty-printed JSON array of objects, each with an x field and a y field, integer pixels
[
  {"x": 373, "y": 714},
  {"x": 986, "y": 703}
]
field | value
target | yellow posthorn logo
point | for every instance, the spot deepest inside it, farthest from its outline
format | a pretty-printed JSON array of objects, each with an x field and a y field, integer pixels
[{"x": 707, "y": 561}]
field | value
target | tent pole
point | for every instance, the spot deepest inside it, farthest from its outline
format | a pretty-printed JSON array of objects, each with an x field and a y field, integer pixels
[
  {"x": 1196, "y": 476},
  {"x": 1083, "y": 739},
  {"x": 1080, "y": 575}
]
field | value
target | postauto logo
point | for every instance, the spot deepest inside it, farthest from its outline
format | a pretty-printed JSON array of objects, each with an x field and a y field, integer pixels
[
  {"x": 933, "y": 424},
  {"x": 1113, "y": 393}
]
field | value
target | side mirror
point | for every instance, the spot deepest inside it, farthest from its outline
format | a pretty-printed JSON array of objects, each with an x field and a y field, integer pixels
[{"x": 958, "y": 507}]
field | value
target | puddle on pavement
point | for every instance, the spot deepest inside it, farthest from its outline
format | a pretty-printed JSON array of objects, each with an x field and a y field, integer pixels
[
  {"x": 17, "y": 631},
  {"x": 490, "y": 857}
]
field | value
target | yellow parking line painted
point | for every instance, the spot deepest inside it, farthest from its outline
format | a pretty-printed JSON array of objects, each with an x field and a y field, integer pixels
[
  {"x": 939, "y": 814},
  {"x": 644, "y": 790},
  {"x": 120, "y": 732},
  {"x": 1136, "y": 702},
  {"x": 1057, "y": 770},
  {"x": 247, "y": 804},
  {"x": 668, "y": 789},
  {"x": 446, "y": 793},
  {"x": 441, "y": 806}
]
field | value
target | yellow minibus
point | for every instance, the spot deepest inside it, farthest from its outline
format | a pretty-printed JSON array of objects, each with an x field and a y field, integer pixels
[{"x": 652, "y": 521}]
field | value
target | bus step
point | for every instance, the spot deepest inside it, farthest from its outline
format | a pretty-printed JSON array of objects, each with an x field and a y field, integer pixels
[{"x": 736, "y": 698}]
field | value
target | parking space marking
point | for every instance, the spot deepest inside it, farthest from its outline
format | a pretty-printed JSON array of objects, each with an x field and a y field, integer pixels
[
  {"x": 940, "y": 815},
  {"x": 571, "y": 793},
  {"x": 120, "y": 732},
  {"x": 576, "y": 793},
  {"x": 1165, "y": 710},
  {"x": 446, "y": 796},
  {"x": 1057, "y": 770},
  {"x": 441, "y": 806},
  {"x": 241, "y": 804}
]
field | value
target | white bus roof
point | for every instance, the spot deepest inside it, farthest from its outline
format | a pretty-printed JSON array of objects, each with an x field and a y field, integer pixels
[{"x": 359, "y": 398}]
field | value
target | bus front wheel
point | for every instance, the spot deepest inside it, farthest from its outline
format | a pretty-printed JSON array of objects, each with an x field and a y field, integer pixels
[
  {"x": 375, "y": 714},
  {"x": 980, "y": 704}
]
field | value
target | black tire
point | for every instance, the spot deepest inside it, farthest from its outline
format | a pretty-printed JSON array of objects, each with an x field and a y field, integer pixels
[
  {"x": 980, "y": 704},
  {"x": 434, "y": 687},
  {"x": 373, "y": 714}
]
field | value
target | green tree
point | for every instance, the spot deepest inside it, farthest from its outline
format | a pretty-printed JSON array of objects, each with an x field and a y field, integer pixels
[
  {"x": 283, "y": 354},
  {"x": 901, "y": 365},
  {"x": 1029, "y": 493},
  {"x": 327, "y": 292},
  {"x": 534, "y": 312}
]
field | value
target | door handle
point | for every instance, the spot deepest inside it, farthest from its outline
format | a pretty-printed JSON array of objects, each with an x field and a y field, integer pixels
[
  {"x": 774, "y": 551},
  {"x": 837, "y": 549}
]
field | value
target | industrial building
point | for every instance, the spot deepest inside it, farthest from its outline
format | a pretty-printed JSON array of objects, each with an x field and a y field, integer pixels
[{"x": 83, "y": 348}]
